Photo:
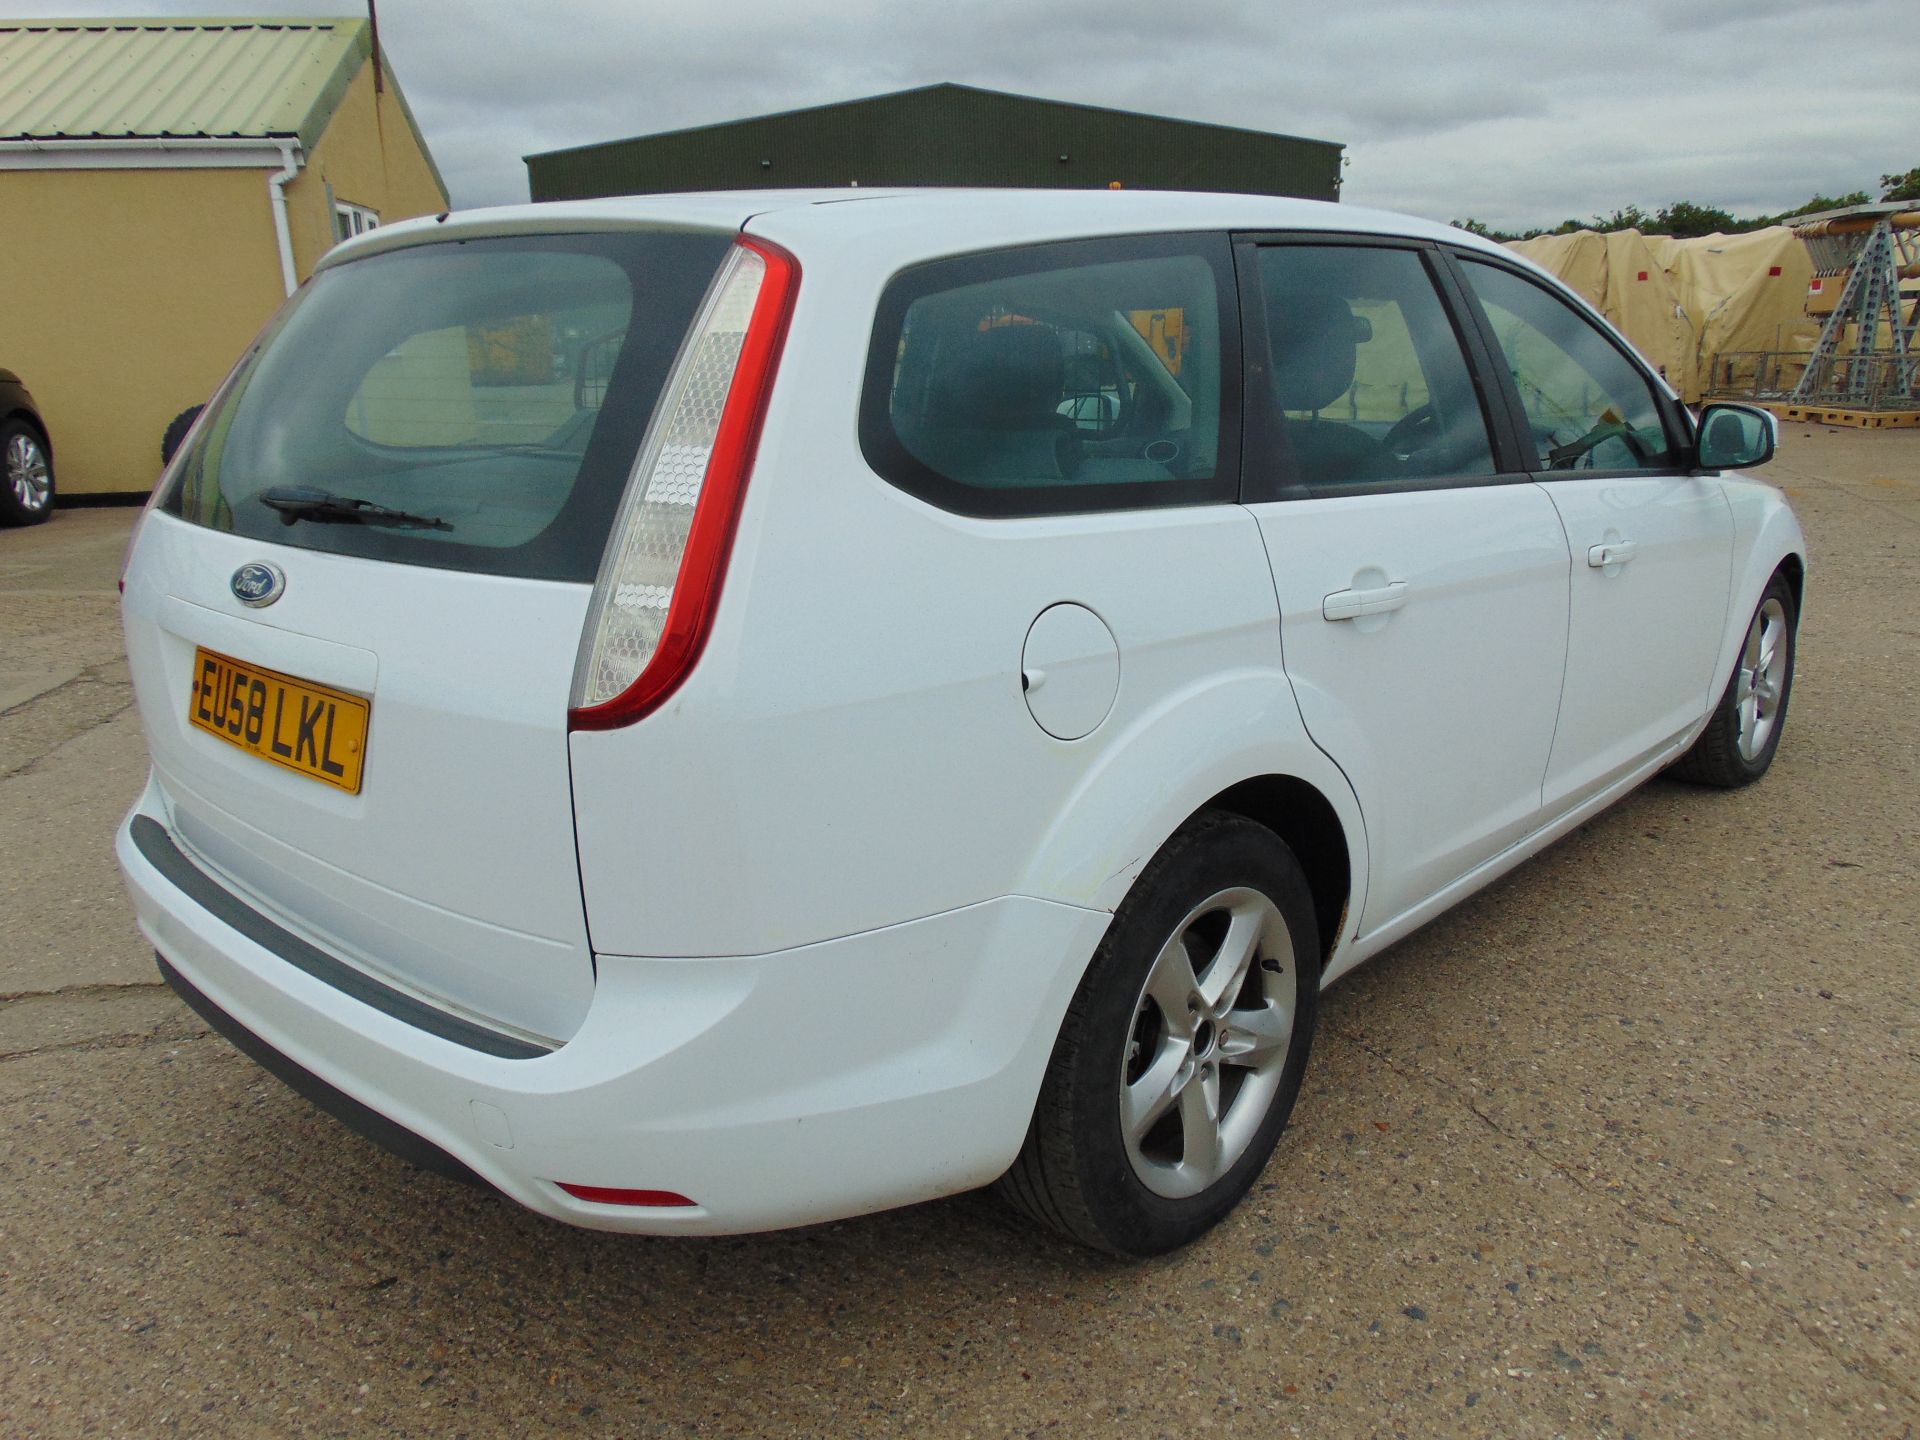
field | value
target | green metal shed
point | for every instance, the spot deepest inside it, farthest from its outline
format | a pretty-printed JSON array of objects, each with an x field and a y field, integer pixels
[{"x": 946, "y": 135}]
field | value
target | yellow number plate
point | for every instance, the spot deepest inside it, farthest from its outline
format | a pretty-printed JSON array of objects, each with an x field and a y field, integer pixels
[{"x": 306, "y": 728}]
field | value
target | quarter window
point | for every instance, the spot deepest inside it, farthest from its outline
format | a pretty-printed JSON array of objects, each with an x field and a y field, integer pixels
[
  {"x": 1587, "y": 406},
  {"x": 1065, "y": 377},
  {"x": 1366, "y": 371}
]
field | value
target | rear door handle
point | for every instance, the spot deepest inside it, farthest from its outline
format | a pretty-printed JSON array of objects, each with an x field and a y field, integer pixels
[
  {"x": 1614, "y": 552},
  {"x": 1352, "y": 604}
]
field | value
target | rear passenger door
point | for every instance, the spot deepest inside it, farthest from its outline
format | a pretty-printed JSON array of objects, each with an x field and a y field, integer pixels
[
  {"x": 1652, "y": 545},
  {"x": 1422, "y": 580}
]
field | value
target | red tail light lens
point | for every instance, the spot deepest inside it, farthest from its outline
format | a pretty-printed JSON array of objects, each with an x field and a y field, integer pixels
[{"x": 660, "y": 583}]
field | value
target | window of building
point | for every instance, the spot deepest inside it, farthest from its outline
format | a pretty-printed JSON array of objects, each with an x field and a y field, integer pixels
[{"x": 351, "y": 220}]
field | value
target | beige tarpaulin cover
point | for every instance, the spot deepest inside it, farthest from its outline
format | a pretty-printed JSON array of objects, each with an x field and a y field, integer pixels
[{"x": 1682, "y": 302}]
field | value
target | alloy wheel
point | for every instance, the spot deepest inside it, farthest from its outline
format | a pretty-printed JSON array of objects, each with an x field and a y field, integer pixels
[
  {"x": 1761, "y": 679},
  {"x": 1212, "y": 1028},
  {"x": 28, "y": 473}
]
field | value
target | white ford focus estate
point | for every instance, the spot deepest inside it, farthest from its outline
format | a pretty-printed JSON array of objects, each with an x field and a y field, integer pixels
[{"x": 710, "y": 713}]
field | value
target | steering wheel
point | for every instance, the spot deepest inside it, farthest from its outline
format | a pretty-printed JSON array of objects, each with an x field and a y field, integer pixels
[
  {"x": 1578, "y": 453},
  {"x": 1415, "y": 430},
  {"x": 1165, "y": 450}
]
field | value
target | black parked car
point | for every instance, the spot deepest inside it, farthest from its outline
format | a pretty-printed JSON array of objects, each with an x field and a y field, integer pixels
[{"x": 26, "y": 456}]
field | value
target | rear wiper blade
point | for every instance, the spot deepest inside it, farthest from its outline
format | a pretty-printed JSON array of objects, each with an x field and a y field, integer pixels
[{"x": 304, "y": 502}]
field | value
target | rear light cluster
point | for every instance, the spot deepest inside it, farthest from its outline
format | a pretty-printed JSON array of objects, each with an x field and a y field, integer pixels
[
  {"x": 612, "y": 1195},
  {"x": 660, "y": 581}
]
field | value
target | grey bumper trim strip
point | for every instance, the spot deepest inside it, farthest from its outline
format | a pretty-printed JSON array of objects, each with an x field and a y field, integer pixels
[
  {"x": 151, "y": 839},
  {"x": 361, "y": 1119}
]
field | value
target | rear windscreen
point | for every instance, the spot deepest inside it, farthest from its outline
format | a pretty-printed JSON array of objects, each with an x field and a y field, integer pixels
[{"x": 471, "y": 405}]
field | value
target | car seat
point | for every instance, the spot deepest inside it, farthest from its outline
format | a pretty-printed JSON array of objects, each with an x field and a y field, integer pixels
[
  {"x": 1314, "y": 340},
  {"x": 992, "y": 416}
]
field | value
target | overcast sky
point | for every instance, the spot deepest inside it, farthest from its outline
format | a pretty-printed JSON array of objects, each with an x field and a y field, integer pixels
[{"x": 1513, "y": 111}]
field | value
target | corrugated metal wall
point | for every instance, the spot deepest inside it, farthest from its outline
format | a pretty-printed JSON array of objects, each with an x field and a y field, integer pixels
[{"x": 946, "y": 135}]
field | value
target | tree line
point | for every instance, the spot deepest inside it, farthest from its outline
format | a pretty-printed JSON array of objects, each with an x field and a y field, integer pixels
[{"x": 1685, "y": 218}]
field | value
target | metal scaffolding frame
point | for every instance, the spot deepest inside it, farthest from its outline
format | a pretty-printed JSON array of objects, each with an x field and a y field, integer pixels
[{"x": 1874, "y": 246}]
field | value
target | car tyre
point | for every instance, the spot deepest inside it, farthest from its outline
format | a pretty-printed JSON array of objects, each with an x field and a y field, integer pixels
[
  {"x": 1738, "y": 745},
  {"x": 1182, "y": 1053},
  {"x": 26, "y": 474},
  {"x": 176, "y": 432}
]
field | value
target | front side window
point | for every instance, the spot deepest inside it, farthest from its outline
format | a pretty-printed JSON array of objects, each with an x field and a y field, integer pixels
[
  {"x": 1064, "y": 377},
  {"x": 470, "y": 404},
  {"x": 1587, "y": 406},
  {"x": 1366, "y": 371}
]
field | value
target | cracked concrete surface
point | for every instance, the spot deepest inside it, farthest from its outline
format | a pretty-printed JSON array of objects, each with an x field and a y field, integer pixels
[{"x": 1626, "y": 1145}]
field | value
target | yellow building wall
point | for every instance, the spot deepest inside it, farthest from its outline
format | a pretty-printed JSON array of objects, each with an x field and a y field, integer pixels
[
  {"x": 369, "y": 157},
  {"x": 130, "y": 293}
]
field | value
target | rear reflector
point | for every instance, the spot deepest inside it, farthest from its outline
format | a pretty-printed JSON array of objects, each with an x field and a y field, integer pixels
[
  {"x": 660, "y": 581},
  {"x": 607, "y": 1195}
]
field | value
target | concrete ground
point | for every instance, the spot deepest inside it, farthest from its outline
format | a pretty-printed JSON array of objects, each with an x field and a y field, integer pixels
[{"x": 1627, "y": 1145}]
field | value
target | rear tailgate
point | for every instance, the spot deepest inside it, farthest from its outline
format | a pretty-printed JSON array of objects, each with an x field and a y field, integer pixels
[
  {"x": 452, "y": 871},
  {"x": 390, "y": 521}
]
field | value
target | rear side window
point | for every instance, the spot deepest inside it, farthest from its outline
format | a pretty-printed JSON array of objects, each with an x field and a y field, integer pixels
[
  {"x": 1366, "y": 372},
  {"x": 1587, "y": 406},
  {"x": 487, "y": 396},
  {"x": 1080, "y": 376}
]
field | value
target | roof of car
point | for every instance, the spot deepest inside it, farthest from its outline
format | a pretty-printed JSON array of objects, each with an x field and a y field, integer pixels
[{"x": 936, "y": 220}]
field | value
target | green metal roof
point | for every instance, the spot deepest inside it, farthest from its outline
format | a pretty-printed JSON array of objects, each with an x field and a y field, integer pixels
[
  {"x": 231, "y": 78},
  {"x": 946, "y": 134},
  {"x": 176, "y": 79}
]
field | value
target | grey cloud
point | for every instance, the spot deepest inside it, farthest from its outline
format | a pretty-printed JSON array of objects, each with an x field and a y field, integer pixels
[
  {"x": 1515, "y": 111},
  {"x": 1701, "y": 15}
]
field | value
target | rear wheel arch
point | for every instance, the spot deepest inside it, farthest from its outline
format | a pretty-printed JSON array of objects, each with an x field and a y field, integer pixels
[
  {"x": 33, "y": 423},
  {"x": 1296, "y": 811},
  {"x": 1153, "y": 1117}
]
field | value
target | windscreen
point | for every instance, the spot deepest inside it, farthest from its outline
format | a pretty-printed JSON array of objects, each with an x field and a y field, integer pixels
[{"x": 471, "y": 404}]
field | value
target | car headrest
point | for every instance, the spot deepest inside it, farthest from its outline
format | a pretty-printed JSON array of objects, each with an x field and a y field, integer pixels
[
  {"x": 1314, "y": 338},
  {"x": 1006, "y": 378}
]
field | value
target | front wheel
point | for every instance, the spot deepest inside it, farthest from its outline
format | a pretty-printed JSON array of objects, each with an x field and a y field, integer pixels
[
  {"x": 1739, "y": 742},
  {"x": 1183, "y": 1050}
]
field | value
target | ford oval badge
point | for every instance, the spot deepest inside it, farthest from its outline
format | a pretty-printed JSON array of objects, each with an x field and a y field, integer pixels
[{"x": 257, "y": 583}]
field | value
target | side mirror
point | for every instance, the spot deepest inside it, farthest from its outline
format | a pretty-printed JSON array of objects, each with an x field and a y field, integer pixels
[
  {"x": 1736, "y": 437},
  {"x": 593, "y": 367}
]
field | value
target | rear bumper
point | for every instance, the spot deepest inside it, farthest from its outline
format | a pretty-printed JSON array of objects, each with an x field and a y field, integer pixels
[
  {"x": 361, "y": 1119},
  {"x": 811, "y": 1084}
]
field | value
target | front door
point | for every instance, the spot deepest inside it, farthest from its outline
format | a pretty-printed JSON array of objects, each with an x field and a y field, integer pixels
[{"x": 1652, "y": 546}]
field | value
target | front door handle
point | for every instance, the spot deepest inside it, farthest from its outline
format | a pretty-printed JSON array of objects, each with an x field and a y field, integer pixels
[
  {"x": 1352, "y": 604},
  {"x": 1614, "y": 552}
]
